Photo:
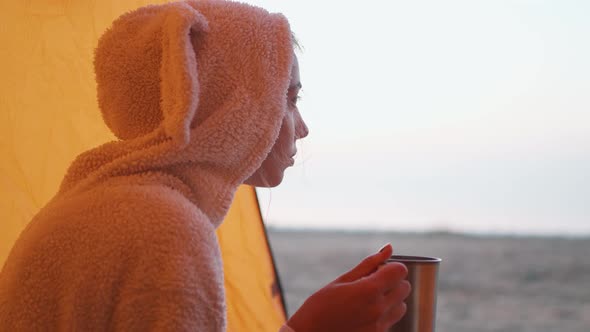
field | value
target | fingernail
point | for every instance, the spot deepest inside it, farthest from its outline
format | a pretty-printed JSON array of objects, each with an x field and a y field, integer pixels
[
  {"x": 385, "y": 246},
  {"x": 406, "y": 288}
]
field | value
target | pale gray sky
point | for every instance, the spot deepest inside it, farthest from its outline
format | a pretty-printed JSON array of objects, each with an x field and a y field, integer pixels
[{"x": 454, "y": 115}]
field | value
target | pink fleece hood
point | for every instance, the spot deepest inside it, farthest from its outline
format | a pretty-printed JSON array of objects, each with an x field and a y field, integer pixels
[{"x": 196, "y": 92}]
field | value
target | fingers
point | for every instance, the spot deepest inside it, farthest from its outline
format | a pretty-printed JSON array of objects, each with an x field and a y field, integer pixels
[
  {"x": 386, "y": 278},
  {"x": 390, "y": 275},
  {"x": 398, "y": 295},
  {"x": 389, "y": 309},
  {"x": 394, "y": 301},
  {"x": 367, "y": 265},
  {"x": 394, "y": 315}
]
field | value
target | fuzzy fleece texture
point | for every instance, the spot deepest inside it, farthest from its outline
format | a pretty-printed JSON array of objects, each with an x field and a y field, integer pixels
[{"x": 196, "y": 92}]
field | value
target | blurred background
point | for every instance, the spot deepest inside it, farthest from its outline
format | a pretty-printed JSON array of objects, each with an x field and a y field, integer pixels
[
  {"x": 456, "y": 129},
  {"x": 449, "y": 115}
]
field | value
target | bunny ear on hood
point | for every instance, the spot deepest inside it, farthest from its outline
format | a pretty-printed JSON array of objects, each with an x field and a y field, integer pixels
[
  {"x": 195, "y": 90},
  {"x": 147, "y": 74},
  {"x": 180, "y": 92}
]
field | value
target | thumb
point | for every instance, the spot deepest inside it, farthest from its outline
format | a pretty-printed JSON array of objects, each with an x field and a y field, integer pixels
[{"x": 367, "y": 265}]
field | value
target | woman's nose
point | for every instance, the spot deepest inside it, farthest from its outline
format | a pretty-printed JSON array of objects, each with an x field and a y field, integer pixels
[{"x": 301, "y": 130}]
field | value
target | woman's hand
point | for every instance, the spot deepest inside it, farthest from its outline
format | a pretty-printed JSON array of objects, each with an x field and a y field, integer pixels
[{"x": 367, "y": 298}]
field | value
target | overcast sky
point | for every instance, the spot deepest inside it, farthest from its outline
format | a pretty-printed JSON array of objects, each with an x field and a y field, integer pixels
[{"x": 448, "y": 115}]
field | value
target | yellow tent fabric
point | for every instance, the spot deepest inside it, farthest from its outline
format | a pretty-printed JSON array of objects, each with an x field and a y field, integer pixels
[{"x": 49, "y": 114}]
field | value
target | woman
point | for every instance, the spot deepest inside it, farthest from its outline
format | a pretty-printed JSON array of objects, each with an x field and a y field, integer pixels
[{"x": 202, "y": 96}]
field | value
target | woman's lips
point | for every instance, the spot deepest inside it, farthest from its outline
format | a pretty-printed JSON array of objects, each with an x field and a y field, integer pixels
[{"x": 291, "y": 159}]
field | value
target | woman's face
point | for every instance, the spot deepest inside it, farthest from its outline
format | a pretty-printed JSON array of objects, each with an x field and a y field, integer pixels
[{"x": 270, "y": 173}]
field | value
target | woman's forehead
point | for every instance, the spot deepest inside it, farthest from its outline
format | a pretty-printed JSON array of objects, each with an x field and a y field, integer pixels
[{"x": 295, "y": 79}]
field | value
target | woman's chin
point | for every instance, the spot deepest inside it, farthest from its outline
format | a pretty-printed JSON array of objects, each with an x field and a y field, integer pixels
[
  {"x": 272, "y": 181},
  {"x": 265, "y": 180}
]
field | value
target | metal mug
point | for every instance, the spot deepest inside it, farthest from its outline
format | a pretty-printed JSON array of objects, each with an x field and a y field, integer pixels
[{"x": 421, "y": 303}]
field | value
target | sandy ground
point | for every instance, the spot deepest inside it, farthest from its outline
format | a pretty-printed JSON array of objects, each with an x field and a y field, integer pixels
[{"x": 509, "y": 284}]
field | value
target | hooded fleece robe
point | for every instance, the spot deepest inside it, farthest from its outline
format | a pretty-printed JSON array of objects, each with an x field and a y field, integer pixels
[{"x": 195, "y": 91}]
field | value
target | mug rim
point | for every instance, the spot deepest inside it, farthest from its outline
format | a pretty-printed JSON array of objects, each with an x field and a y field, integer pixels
[{"x": 413, "y": 259}]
